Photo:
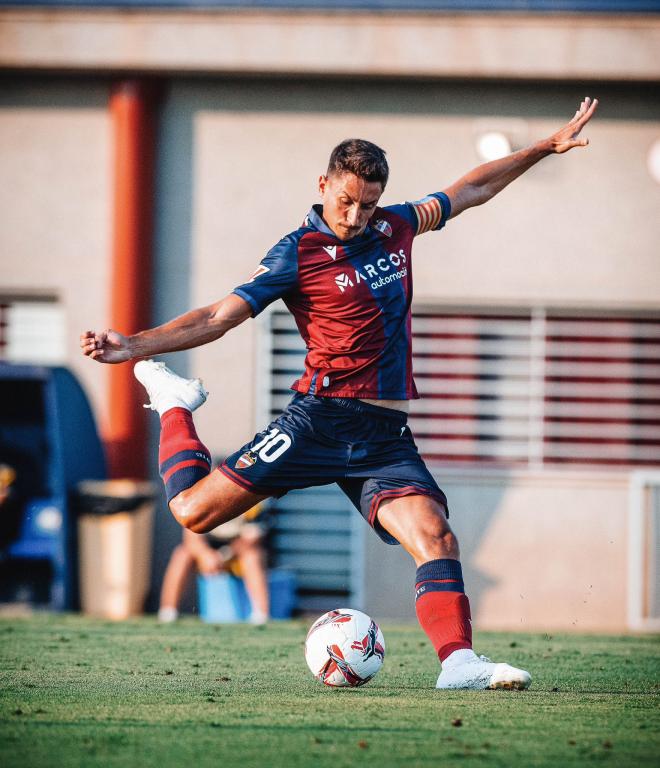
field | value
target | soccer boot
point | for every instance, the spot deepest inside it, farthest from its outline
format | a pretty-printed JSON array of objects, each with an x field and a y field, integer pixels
[
  {"x": 166, "y": 390},
  {"x": 480, "y": 673}
]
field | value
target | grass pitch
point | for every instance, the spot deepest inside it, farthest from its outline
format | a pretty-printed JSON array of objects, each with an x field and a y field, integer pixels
[{"x": 81, "y": 692}]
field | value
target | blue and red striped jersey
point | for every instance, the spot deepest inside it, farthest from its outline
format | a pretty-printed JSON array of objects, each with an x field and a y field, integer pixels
[{"x": 350, "y": 299}]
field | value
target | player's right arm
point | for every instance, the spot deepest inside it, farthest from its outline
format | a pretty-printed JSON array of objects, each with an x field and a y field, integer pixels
[
  {"x": 193, "y": 329},
  {"x": 274, "y": 277}
]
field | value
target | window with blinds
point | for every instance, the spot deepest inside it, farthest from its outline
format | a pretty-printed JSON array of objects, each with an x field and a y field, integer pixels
[
  {"x": 511, "y": 389},
  {"x": 316, "y": 531},
  {"x": 537, "y": 388},
  {"x": 32, "y": 330},
  {"x": 526, "y": 388}
]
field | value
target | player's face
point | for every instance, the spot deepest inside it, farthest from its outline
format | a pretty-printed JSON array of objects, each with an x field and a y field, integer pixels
[{"x": 348, "y": 203}]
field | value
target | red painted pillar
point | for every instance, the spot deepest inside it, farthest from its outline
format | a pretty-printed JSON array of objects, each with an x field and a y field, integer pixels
[{"x": 132, "y": 109}]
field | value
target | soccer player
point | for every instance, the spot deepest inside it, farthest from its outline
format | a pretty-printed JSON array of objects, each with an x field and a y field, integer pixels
[{"x": 346, "y": 276}]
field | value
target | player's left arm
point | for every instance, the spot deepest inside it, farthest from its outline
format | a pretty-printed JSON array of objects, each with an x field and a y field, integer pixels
[{"x": 484, "y": 182}]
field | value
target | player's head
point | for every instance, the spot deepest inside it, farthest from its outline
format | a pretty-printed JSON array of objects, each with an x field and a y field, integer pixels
[
  {"x": 351, "y": 187},
  {"x": 361, "y": 158}
]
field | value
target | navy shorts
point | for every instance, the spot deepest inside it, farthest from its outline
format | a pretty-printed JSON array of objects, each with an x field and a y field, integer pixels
[{"x": 367, "y": 450}]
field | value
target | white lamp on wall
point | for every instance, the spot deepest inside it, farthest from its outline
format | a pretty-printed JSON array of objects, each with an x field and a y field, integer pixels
[
  {"x": 653, "y": 161},
  {"x": 496, "y": 136},
  {"x": 492, "y": 145}
]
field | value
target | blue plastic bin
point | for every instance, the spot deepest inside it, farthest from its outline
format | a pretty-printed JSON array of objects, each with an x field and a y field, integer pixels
[{"x": 224, "y": 599}]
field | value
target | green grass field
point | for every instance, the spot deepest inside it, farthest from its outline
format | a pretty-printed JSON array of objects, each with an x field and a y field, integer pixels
[{"x": 82, "y": 692}]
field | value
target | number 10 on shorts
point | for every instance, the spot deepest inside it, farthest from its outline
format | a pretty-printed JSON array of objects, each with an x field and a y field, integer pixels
[{"x": 273, "y": 445}]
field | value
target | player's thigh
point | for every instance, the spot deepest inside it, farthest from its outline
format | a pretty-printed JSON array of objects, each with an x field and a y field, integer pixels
[
  {"x": 212, "y": 501},
  {"x": 419, "y": 523}
]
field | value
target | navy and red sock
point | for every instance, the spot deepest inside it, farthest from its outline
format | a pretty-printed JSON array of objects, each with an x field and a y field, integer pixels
[
  {"x": 442, "y": 606},
  {"x": 182, "y": 457}
]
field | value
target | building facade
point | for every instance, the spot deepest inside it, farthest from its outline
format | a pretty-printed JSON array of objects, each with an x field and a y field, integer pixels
[{"x": 537, "y": 316}]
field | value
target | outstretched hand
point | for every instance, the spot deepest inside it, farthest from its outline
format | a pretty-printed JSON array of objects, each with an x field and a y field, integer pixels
[
  {"x": 106, "y": 347},
  {"x": 567, "y": 137}
]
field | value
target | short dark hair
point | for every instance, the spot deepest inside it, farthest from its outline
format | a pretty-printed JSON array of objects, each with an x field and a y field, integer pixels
[{"x": 361, "y": 158}]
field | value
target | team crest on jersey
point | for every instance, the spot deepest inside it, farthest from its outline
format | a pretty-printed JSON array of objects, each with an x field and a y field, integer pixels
[
  {"x": 384, "y": 226},
  {"x": 331, "y": 250},
  {"x": 260, "y": 270},
  {"x": 246, "y": 460}
]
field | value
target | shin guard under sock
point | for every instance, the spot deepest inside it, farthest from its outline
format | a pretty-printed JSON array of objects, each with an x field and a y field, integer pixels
[
  {"x": 442, "y": 607},
  {"x": 182, "y": 458}
]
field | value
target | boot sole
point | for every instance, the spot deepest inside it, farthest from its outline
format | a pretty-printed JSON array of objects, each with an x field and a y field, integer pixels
[{"x": 509, "y": 685}]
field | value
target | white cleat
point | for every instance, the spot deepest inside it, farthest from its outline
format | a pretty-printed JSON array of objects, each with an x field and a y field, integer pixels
[
  {"x": 166, "y": 390},
  {"x": 480, "y": 673}
]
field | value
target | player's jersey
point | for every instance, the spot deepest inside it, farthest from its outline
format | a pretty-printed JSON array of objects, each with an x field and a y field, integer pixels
[{"x": 350, "y": 299}]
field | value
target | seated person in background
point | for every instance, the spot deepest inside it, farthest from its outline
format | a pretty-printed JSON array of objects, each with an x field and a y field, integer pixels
[
  {"x": 236, "y": 547},
  {"x": 11, "y": 503},
  {"x": 7, "y": 477}
]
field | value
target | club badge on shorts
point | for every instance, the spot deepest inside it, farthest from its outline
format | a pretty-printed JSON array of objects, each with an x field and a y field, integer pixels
[{"x": 246, "y": 460}]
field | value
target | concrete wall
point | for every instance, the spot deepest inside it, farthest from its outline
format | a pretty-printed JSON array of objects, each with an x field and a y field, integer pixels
[
  {"x": 539, "y": 551},
  {"x": 414, "y": 44},
  {"x": 55, "y": 205}
]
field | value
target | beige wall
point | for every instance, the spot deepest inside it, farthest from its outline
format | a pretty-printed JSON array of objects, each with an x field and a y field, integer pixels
[
  {"x": 498, "y": 45},
  {"x": 55, "y": 197},
  {"x": 579, "y": 229},
  {"x": 539, "y": 551}
]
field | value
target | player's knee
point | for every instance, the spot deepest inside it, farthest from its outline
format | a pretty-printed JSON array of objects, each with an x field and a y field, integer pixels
[
  {"x": 437, "y": 540},
  {"x": 190, "y": 512}
]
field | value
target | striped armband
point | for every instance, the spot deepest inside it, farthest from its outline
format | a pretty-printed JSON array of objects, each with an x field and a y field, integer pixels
[{"x": 429, "y": 214}]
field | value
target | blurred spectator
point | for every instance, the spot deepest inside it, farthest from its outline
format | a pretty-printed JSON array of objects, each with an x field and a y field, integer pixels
[
  {"x": 236, "y": 547},
  {"x": 19, "y": 481},
  {"x": 8, "y": 503}
]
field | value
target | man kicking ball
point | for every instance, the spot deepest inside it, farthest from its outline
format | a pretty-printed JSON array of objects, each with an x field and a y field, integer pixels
[{"x": 346, "y": 277}]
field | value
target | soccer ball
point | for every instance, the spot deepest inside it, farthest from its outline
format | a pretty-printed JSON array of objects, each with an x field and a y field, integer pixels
[{"x": 344, "y": 648}]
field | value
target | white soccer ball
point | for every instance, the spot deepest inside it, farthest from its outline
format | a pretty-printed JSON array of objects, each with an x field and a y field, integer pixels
[{"x": 344, "y": 647}]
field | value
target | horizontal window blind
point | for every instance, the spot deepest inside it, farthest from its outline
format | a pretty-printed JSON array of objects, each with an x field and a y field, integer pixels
[
  {"x": 311, "y": 534},
  {"x": 511, "y": 389},
  {"x": 537, "y": 388},
  {"x": 32, "y": 331},
  {"x": 313, "y": 530},
  {"x": 520, "y": 388}
]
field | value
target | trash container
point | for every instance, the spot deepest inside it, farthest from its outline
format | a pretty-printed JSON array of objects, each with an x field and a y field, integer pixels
[{"x": 115, "y": 532}]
